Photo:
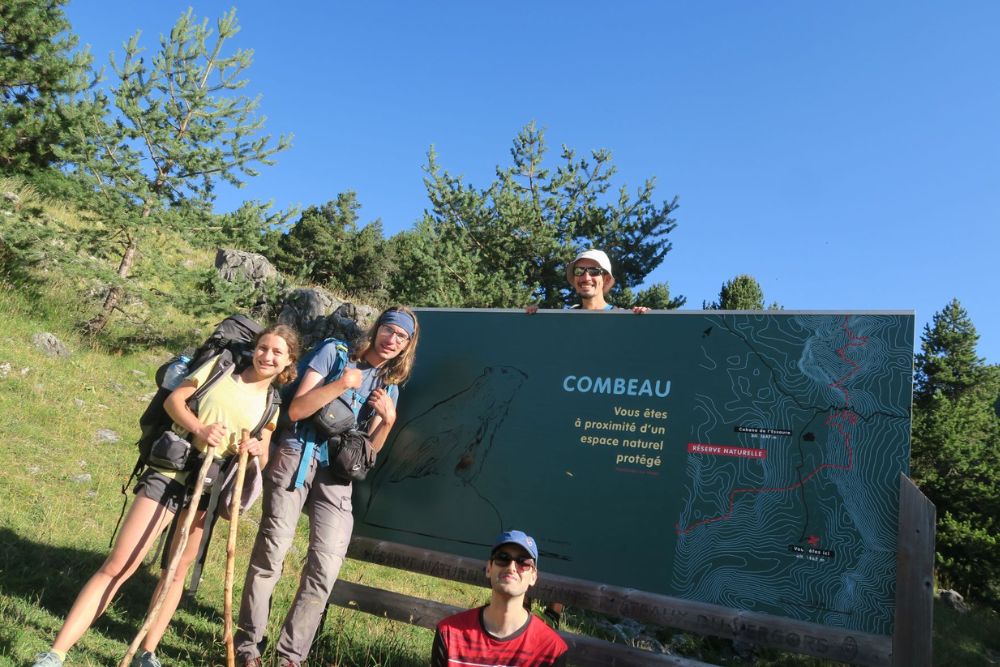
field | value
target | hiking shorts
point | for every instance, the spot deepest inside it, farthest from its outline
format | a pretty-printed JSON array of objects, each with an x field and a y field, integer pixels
[{"x": 166, "y": 491}]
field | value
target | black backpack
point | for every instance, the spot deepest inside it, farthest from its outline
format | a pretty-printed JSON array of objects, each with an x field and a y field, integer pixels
[
  {"x": 232, "y": 341},
  {"x": 232, "y": 344}
]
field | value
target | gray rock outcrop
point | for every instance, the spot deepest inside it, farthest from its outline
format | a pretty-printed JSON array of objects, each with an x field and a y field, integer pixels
[
  {"x": 345, "y": 323},
  {"x": 304, "y": 305},
  {"x": 317, "y": 314},
  {"x": 313, "y": 311},
  {"x": 234, "y": 264}
]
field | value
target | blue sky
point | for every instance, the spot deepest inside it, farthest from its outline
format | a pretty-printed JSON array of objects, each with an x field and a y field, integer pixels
[{"x": 847, "y": 154}]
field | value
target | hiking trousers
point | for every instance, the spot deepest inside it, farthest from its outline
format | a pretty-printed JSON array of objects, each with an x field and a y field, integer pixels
[{"x": 328, "y": 503}]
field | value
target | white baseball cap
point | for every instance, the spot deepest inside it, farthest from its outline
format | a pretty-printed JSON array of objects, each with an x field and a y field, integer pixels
[{"x": 602, "y": 260}]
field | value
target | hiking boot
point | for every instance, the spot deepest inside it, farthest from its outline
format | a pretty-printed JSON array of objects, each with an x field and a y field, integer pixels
[
  {"x": 145, "y": 659},
  {"x": 252, "y": 662},
  {"x": 47, "y": 659},
  {"x": 285, "y": 662}
]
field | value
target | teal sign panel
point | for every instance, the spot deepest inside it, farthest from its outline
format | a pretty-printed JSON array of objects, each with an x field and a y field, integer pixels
[{"x": 749, "y": 460}]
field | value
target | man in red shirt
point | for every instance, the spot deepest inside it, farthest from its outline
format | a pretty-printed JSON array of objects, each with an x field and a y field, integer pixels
[{"x": 503, "y": 633}]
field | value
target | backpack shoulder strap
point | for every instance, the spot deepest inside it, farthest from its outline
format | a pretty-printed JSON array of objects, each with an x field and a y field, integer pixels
[
  {"x": 343, "y": 356},
  {"x": 224, "y": 363},
  {"x": 273, "y": 401}
]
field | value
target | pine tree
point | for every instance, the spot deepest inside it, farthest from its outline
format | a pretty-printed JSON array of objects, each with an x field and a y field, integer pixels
[
  {"x": 741, "y": 293},
  {"x": 947, "y": 362},
  {"x": 956, "y": 451},
  {"x": 507, "y": 244},
  {"x": 246, "y": 228},
  {"x": 326, "y": 246},
  {"x": 40, "y": 74},
  {"x": 656, "y": 296},
  {"x": 180, "y": 125}
]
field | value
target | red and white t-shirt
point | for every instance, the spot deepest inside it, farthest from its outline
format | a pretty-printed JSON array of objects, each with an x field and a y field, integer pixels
[{"x": 462, "y": 639}]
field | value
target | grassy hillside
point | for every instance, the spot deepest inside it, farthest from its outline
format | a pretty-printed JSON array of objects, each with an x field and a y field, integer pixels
[
  {"x": 68, "y": 427},
  {"x": 62, "y": 496}
]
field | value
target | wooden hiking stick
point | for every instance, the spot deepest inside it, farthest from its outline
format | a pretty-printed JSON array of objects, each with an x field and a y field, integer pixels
[
  {"x": 234, "y": 519},
  {"x": 175, "y": 558}
]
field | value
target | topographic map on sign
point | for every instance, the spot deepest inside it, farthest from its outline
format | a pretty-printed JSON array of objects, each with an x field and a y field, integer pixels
[{"x": 748, "y": 460}]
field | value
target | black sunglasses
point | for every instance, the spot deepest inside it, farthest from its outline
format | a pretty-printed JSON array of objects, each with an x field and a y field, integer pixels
[
  {"x": 592, "y": 271},
  {"x": 503, "y": 559}
]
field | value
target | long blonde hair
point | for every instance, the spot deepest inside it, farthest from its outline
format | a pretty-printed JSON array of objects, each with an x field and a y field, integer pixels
[{"x": 397, "y": 370}]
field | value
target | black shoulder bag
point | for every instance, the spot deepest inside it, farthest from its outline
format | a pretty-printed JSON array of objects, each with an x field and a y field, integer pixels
[{"x": 350, "y": 447}]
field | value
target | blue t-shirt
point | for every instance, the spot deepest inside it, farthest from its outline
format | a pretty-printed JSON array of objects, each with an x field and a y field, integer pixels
[{"x": 329, "y": 363}]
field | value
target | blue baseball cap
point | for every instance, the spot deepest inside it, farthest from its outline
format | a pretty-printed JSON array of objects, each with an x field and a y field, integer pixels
[{"x": 520, "y": 539}]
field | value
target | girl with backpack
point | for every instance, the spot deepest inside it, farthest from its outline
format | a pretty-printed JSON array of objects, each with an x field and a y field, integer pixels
[
  {"x": 235, "y": 402},
  {"x": 304, "y": 475}
]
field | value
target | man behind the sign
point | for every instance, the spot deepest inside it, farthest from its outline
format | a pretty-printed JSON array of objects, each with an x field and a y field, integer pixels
[{"x": 503, "y": 632}]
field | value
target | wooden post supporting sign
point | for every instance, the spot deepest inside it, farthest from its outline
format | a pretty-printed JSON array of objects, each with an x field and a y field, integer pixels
[{"x": 911, "y": 638}]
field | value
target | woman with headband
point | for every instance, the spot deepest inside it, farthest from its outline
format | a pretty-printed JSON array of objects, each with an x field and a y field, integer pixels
[{"x": 300, "y": 477}]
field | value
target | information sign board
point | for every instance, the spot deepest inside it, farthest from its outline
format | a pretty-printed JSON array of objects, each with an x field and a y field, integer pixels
[{"x": 749, "y": 460}]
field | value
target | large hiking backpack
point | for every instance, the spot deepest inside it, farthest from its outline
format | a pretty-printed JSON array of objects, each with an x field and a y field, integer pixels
[
  {"x": 231, "y": 343},
  {"x": 233, "y": 340}
]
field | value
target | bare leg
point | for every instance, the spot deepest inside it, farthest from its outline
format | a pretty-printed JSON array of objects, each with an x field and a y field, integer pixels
[
  {"x": 146, "y": 519},
  {"x": 176, "y": 586}
]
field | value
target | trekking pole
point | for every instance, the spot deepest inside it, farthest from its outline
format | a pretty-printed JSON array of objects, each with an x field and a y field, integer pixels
[
  {"x": 175, "y": 558},
  {"x": 234, "y": 518}
]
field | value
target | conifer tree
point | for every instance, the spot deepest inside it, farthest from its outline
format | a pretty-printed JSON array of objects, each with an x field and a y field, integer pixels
[
  {"x": 955, "y": 454},
  {"x": 947, "y": 362},
  {"x": 507, "y": 244},
  {"x": 327, "y": 246},
  {"x": 741, "y": 293},
  {"x": 180, "y": 125},
  {"x": 40, "y": 75},
  {"x": 246, "y": 228}
]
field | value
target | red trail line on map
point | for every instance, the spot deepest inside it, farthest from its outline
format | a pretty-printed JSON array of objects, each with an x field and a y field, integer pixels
[{"x": 836, "y": 420}]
